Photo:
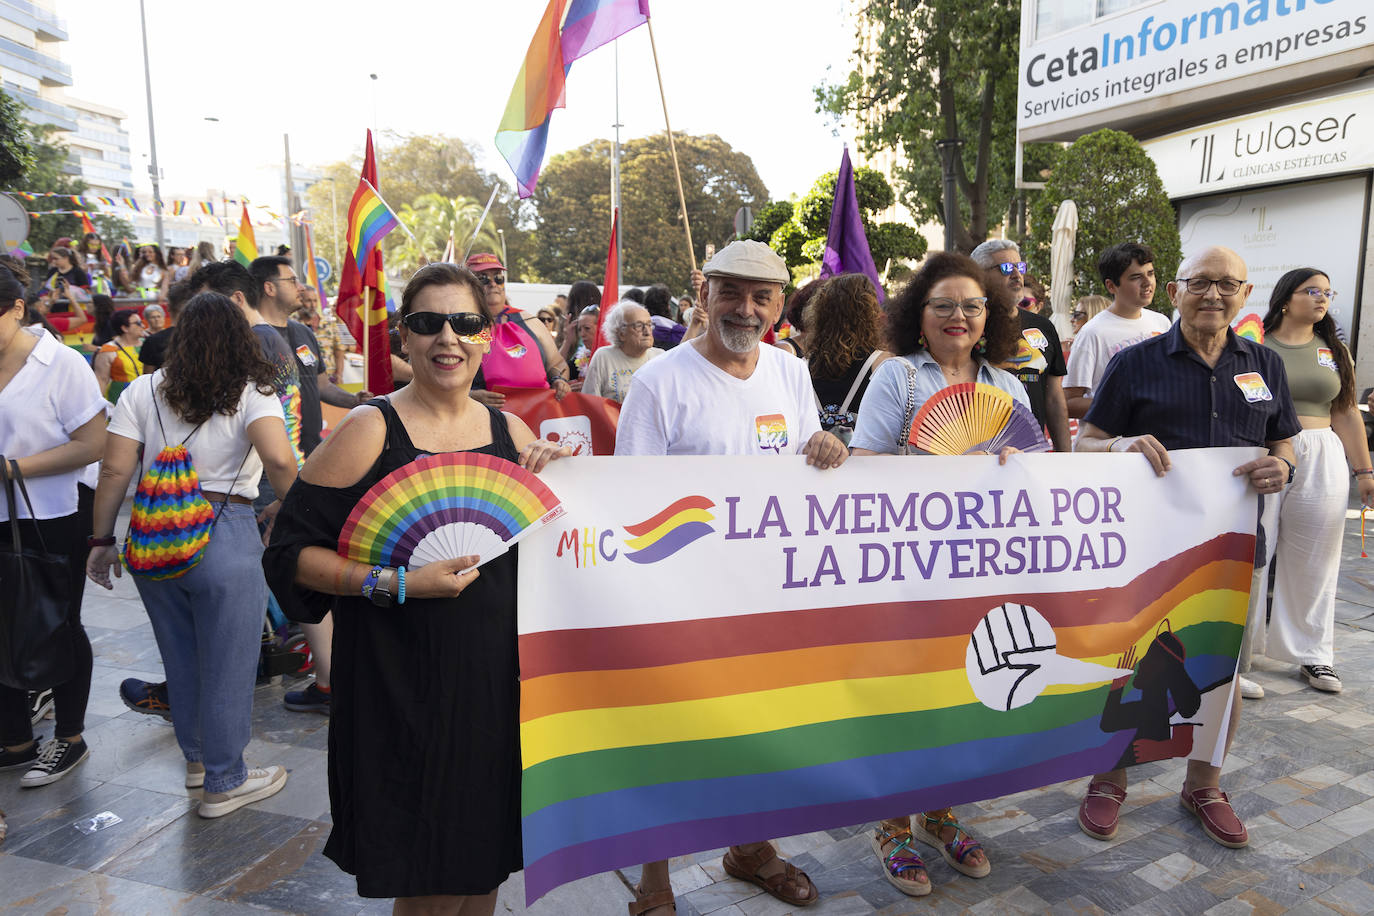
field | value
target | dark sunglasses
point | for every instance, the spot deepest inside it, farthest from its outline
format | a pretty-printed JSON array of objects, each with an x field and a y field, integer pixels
[
  {"x": 464, "y": 324},
  {"x": 1018, "y": 266},
  {"x": 488, "y": 280}
]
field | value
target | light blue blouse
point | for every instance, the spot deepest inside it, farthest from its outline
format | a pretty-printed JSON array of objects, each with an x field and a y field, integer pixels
[{"x": 883, "y": 410}]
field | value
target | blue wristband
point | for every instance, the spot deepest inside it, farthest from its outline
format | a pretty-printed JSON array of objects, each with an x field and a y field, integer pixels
[
  {"x": 401, "y": 587},
  {"x": 370, "y": 583}
]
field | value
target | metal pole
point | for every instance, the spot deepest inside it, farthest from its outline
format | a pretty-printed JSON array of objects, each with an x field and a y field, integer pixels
[
  {"x": 672, "y": 148},
  {"x": 152, "y": 133},
  {"x": 615, "y": 163},
  {"x": 286, "y": 217},
  {"x": 501, "y": 233},
  {"x": 947, "y": 150},
  {"x": 334, "y": 201}
]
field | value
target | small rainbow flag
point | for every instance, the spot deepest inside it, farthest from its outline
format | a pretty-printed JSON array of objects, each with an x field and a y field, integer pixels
[
  {"x": 369, "y": 220},
  {"x": 246, "y": 245},
  {"x": 207, "y": 208},
  {"x": 558, "y": 41},
  {"x": 178, "y": 207}
]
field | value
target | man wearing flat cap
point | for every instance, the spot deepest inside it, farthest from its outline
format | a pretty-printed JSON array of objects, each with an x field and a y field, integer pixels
[{"x": 721, "y": 393}]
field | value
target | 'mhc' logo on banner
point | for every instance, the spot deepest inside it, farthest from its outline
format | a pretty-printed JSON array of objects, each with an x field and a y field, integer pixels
[{"x": 655, "y": 539}]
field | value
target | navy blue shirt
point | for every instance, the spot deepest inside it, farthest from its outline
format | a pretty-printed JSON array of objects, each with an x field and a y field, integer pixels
[{"x": 1161, "y": 387}]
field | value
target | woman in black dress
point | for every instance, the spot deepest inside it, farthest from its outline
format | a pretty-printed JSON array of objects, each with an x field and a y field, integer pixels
[{"x": 424, "y": 756}]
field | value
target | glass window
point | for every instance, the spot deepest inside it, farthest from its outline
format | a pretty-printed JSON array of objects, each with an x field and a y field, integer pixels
[{"x": 1055, "y": 16}]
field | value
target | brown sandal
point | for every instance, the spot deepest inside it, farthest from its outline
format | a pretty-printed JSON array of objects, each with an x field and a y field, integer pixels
[
  {"x": 644, "y": 902},
  {"x": 786, "y": 886}
]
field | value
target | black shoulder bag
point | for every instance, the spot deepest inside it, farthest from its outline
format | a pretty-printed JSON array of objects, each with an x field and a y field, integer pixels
[{"x": 36, "y": 649}]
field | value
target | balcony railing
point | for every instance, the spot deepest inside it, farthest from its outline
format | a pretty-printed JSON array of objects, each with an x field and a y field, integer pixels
[
  {"x": 45, "y": 22},
  {"x": 41, "y": 66}
]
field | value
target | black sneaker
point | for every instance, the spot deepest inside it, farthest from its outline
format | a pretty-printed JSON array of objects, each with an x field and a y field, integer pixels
[
  {"x": 141, "y": 696},
  {"x": 311, "y": 699},
  {"x": 1322, "y": 677},
  {"x": 13, "y": 760},
  {"x": 40, "y": 704},
  {"x": 56, "y": 759}
]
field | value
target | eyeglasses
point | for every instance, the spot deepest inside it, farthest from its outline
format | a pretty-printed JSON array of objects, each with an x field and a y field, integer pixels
[
  {"x": 291, "y": 279},
  {"x": 1199, "y": 286},
  {"x": 467, "y": 325},
  {"x": 1328, "y": 294},
  {"x": 640, "y": 325},
  {"x": 488, "y": 280},
  {"x": 1019, "y": 267},
  {"x": 971, "y": 308}
]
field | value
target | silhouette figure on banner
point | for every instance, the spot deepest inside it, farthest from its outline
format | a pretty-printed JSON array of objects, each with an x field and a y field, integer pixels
[{"x": 1165, "y": 688}]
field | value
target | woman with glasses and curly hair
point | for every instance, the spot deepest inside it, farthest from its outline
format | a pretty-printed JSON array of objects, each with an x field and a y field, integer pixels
[
  {"x": 1321, "y": 379},
  {"x": 952, "y": 325},
  {"x": 215, "y": 395},
  {"x": 424, "y": 757}
]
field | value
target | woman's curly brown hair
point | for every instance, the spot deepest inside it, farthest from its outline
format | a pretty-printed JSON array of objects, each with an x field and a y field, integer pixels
[
  {"x": 211, "y": 357},
  {"x": 843, "y": 324},
  {"x": 1002, "y": 328}
]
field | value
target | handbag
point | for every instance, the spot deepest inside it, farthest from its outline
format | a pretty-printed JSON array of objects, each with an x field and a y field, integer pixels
[
  {"x": 36, "y": 647},
  {"x": 842, "y": 431}
]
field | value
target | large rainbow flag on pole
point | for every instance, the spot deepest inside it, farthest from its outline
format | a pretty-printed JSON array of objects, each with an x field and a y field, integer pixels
[
  {"x": 568, "y": 30},
  {"x": 357, "y": 276},
  {"x": 246, "y": 245},
  {"x": 888, "y": 637},
  {"x": 369, "y": 220}
]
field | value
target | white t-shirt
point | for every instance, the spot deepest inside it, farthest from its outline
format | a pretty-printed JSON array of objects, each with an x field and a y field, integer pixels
[
  {"x": 610, "y": 371},
  {"x": 218, "y": 447},
  {"x": 1105, "y": 335},
  {"x": 51, "y": 396},
  {"x": 681, "y": 404}
]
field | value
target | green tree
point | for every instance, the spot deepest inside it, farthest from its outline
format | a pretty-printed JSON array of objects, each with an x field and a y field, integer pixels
[
  {"x": 1120, "y": 198},
  {"x": 409, "y": 167},
  {"x": 947, "y": 70},
  {"x": 16, "y": 142},
  {"x": 572, "y": 206},
  {"x": 800, "y": 238},
  {"x": 434, "y": 219},
  {"x": 48, "y": 172}
]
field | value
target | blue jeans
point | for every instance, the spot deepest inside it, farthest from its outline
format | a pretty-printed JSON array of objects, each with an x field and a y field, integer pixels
[{"x": 208, "y": 625}]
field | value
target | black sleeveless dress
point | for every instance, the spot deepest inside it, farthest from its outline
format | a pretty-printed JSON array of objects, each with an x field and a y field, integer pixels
[{"x": 424, "y": 754}]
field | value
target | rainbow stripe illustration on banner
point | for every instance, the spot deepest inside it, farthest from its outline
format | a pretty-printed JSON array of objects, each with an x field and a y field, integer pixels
[
  {"x": 646, "y": 741},
  {"x": 1250, "y": 327},
  {"x": 667, "y": 532}
]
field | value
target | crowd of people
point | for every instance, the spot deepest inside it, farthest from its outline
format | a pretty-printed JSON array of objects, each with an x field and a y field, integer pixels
[{"x": 423, "y": 702}]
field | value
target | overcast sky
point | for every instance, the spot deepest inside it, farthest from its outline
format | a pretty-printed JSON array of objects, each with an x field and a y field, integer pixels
[{"x": 743, "y": 69}]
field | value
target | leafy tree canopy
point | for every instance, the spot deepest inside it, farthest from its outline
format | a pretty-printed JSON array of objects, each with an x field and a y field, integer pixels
[
  {"x": 16, "y": 142},
  {"x": 572, "y": 206},
  {"x": 1120, "y": 198},
  {"x": 435, "y": 219}
]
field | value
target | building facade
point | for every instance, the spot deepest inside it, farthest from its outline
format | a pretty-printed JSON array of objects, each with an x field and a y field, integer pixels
[{"x": 1259, "y": 115}]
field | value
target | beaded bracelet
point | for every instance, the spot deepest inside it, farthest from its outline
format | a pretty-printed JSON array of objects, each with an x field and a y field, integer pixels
[
  {"x": 1358, "y": 471},
  {"x": 401, "y": 586}
]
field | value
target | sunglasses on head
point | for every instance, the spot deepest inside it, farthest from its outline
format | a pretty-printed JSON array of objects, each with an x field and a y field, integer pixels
[
  {"x": 465, "y": 324},
  {"x": 1009, "y": 266}
]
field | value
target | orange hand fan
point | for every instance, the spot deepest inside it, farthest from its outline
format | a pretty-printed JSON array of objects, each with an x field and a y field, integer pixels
[{"x": 974, "y": 417}]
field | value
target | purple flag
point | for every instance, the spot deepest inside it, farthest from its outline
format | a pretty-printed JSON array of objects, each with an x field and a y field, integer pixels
[{"x": 846, "y": 246}]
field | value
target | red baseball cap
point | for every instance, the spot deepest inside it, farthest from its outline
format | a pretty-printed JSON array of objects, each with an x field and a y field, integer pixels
[{"x": 483, "y": 261}]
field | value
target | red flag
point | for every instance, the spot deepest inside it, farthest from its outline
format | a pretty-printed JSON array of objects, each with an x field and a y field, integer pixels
[
  {"x": 348, "y": 304},
  {"x": 610, "y": 286}
]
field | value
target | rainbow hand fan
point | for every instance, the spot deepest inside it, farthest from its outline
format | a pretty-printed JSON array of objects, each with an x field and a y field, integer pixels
[
  {"x": 441, "y": 507},
  {"x": 975, "y": 417}
]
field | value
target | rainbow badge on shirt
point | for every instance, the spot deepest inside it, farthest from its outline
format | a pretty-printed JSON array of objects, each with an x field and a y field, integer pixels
[
  {"x": 1036, "y": 338},
  {"x": 1252, "y": 385},
  {"x": 517, "y": 351},
  {"x": 1027, "y": 357},
  {"x": 1326, "y": 359},
  {"x": 772, "y": 431}
]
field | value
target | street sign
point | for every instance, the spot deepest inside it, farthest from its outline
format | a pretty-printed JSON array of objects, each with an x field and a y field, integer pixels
[
  {"x": 14, "y": 223},
  {"x": 323, "y": 269}
]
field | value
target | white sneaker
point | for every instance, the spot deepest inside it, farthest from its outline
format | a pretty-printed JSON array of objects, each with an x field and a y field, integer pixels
[
  {"x": 1322, "y": 677},
  {"x": 1250, "y": 690},
  {"x": 260, "y": 784},
  {"x": 195, "y": 774}
]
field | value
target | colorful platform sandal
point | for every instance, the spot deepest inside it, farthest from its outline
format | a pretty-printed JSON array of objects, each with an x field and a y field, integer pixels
[
  {"x": 902, "y": 858},
  {"x": 927, "y": 830}
]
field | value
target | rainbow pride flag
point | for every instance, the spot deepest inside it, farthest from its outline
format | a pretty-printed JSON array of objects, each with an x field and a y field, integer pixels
[
  {"x": 884, "y": 673},
  {"x": 567, "y": 31},
  {"x": 369, "y": 220},
  {"x": 246, "y": 245}
]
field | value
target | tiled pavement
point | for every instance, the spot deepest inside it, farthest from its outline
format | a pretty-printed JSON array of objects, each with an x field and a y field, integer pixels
[{"x": 1302, "y": 776}]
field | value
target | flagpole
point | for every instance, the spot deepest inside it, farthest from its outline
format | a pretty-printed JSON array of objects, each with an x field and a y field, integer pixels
[
  {"x": 615, "y": 162},
  {"x": 672, "y": 147},
  {"x": 480, "y": 223},
  {"x": 366, "y": 324}
]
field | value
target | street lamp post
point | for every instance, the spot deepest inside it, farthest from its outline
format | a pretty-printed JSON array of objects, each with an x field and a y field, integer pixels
[
  {"x": 152, "y": 133},
  {"x": 948, "y": 150}
]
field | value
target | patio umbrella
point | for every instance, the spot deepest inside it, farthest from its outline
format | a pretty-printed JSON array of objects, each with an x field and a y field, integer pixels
[{"x": 1061, "y": 266}]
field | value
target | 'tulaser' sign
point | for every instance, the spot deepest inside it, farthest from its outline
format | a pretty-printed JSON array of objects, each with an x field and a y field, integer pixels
[{"x": 1167, "y": 47}]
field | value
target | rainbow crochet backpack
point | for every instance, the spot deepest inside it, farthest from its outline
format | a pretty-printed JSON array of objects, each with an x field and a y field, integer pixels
[{"x": 172, "y": 520}]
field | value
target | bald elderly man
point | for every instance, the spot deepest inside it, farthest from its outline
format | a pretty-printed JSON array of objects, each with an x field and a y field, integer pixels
[{"x": 1197, "y": 385}]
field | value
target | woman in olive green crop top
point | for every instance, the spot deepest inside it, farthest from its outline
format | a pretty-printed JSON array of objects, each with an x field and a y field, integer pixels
[{"x": 1321, "y": 379}]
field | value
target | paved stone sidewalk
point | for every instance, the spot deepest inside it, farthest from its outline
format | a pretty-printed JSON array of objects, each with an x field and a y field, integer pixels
[{"x": 1302, "y": 777}]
